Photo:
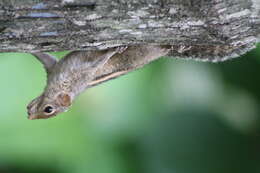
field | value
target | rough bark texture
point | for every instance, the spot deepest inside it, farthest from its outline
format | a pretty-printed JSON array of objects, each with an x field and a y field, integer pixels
[{"x": 199, "y": 29}]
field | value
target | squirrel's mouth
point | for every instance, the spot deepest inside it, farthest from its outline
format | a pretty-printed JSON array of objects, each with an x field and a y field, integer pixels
[{"x": 35, "y": 117}]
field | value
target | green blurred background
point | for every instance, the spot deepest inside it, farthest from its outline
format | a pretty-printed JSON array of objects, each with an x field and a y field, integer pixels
[{"x": 173, "y": 116}]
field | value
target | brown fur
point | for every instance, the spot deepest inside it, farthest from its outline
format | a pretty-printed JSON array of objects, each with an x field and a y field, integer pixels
[{"x": 83, "y": 69}]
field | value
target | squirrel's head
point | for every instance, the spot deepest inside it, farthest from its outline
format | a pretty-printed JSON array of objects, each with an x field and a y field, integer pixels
[{"x": 45, "y": 107}]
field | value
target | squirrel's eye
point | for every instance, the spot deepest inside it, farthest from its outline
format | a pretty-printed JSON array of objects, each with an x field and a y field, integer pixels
[{"x": 48, "y": 109}]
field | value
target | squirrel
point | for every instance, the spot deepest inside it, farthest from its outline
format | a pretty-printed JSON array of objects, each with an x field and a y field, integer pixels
[{"x": 80, "y": 70}]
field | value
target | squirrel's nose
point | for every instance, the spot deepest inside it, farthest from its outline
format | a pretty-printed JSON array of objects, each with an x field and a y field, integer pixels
[
  {"x": 28, "y": 106},
  {"x": 30, "y": 115},
  {"x": 29, "y": 112}
]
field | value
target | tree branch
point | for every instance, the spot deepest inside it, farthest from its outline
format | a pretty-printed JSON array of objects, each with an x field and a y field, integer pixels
[{"x": 202, "y": 29}]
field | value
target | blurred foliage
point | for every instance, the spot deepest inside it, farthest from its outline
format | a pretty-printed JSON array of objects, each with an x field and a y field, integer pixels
[{"x": 173, "y": 116}]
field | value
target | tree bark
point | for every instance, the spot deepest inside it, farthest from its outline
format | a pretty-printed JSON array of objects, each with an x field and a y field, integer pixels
[{"x": 198, "y": 29}]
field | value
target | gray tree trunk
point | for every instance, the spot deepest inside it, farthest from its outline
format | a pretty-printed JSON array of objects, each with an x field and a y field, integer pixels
[{"x": 194, "y": 28}]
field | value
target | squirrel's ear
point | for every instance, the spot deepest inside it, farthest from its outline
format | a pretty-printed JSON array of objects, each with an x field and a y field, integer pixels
[
  {"x": 47, "y": 60},
  {"x": 64, "y": 99}
]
